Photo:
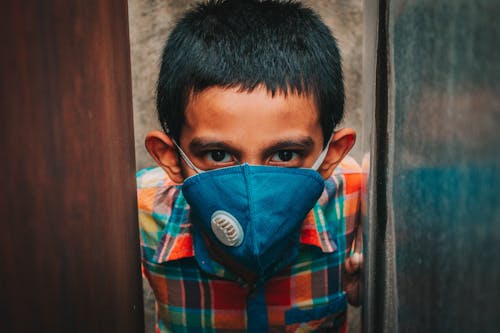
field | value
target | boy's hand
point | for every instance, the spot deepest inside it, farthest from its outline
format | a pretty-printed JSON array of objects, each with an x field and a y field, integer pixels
[{"x": 353, "y": 286}]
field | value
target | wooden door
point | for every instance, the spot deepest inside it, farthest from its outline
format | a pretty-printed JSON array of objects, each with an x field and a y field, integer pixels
[{"x": 69, "y": 254}]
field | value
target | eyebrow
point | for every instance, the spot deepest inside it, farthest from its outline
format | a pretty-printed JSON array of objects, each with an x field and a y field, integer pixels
[
  {"x": 199, "y": 144},
  {"x": 304, "y": 142}
]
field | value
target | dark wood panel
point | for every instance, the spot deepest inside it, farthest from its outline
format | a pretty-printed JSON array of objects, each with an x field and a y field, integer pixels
[{"x": 69, "y": 253}]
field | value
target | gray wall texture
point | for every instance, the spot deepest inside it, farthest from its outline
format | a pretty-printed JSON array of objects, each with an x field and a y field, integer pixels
[{"x": 150, "y": 22}]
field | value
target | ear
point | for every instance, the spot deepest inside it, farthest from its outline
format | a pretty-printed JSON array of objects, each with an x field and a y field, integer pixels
[
  {"x": 342, "y": 142},
  {"x": 162, "y": 149}
]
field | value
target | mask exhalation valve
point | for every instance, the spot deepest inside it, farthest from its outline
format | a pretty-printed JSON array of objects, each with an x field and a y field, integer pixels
[{"x": 226, "y": 228}]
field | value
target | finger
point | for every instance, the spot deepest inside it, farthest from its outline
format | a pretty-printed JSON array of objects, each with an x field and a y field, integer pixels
[
  {"x": 358, "y": 246},
  {"x": 353, "y": 263}
]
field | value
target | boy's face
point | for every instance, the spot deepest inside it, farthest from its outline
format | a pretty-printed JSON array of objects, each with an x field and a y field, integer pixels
[{"x": 226, "y": 126}]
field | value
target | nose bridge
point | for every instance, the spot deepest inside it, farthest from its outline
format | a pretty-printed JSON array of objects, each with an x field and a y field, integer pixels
[
  {"x": 252, "y": 156},
  {"x": 253, "y": 160}
]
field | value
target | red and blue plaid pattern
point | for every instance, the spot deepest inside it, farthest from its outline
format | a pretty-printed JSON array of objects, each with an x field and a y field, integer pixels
[{"x": 306, "y": 296}]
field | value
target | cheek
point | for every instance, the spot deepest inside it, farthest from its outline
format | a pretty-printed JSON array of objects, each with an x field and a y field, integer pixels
[
  {"x": 311, "y": 159},
  {"x": 186, "y": 170}
]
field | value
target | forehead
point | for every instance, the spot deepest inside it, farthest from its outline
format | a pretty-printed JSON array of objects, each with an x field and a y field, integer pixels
[{"x": 255, "y": 116}]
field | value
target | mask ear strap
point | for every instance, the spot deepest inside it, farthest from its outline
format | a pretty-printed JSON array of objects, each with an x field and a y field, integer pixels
[
  {"x": 186, "y": 159},
  {"x": 322, "y": 156}
]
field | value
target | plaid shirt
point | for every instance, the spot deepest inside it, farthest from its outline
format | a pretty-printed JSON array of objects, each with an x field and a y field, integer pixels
[{"x": 305, "y": 296}]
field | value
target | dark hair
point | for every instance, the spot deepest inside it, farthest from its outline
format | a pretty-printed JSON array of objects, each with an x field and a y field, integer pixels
[{"x": 281, "y": 45}]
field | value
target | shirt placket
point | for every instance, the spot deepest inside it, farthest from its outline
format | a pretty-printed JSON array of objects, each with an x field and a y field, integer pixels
[{"x": 257, "y": 320}]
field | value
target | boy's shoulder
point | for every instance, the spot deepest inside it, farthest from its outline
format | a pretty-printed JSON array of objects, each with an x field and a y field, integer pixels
[
  {"x": 152, "y": 177},
  {"x": 154, "y": 190},
  {"x": 348, "y": 166},
  {"x": 345, "y": 182}
]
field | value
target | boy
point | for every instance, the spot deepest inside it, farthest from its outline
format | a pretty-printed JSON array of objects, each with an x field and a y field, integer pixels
[{"x": 245, "y": 227}]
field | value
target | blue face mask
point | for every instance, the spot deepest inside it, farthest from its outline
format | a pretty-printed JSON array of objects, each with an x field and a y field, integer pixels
[{"x": 252, "y": 214}]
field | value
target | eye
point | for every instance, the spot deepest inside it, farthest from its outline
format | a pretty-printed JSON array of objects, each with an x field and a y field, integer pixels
[
  {"x": 219, "y": 156},
  {"x": 284, "y": 156}
]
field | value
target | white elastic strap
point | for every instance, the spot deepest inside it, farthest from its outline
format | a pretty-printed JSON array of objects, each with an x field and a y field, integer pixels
[
  {"x": 186, "y": 159},
  {"x": 322, "y": 156}
]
